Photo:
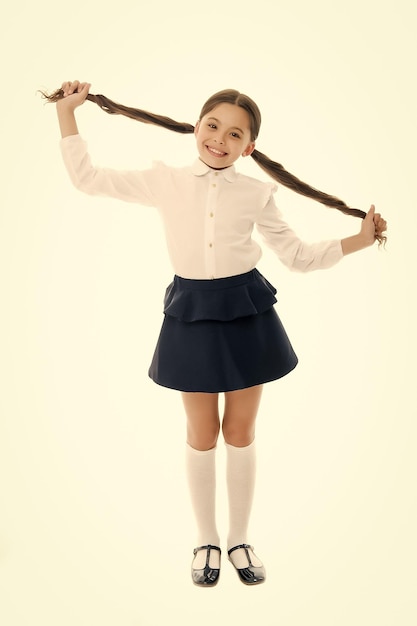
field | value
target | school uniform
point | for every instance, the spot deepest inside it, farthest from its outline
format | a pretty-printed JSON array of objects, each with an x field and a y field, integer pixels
[{"x": 220, "y": 331}]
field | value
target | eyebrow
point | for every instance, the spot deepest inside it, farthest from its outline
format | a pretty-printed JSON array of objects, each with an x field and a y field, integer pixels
[{"x": 218, "y": 121}]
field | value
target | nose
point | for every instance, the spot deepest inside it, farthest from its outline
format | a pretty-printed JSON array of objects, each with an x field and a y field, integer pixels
[{"x": 219, "y": 139}]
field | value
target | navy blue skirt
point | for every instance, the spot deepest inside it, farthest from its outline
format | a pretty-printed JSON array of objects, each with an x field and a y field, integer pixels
[{"x": 221, "y": 335}]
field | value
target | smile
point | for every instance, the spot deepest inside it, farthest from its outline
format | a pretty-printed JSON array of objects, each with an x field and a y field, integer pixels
[{"x": 215, "y": 152}]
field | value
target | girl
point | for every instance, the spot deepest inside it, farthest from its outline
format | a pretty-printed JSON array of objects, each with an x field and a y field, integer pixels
[{"x": 220, "y": 333}]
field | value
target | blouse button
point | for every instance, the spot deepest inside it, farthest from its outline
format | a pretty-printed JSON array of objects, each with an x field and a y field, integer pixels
[
  {"x": 211, "y": 245},
  {"x": 214, "y": 185},
  {"x": 211, "y": 214}
]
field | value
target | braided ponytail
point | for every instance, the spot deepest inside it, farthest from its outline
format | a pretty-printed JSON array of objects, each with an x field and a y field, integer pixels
[
  {"x": 278, "y": 173},
  {"x": 272, "y": 168},
  {"x": 113, "y": 108}
]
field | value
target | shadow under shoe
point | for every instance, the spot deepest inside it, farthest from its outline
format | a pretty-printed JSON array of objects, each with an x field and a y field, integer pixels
[
  {"x": 208, "y": 576},
  {"x": 250, "y": 575}
]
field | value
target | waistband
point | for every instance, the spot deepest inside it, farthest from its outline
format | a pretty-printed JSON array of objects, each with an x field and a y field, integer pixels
[
  {"x": 223, "y": 299},
  {"x": 216, "y": 283}
]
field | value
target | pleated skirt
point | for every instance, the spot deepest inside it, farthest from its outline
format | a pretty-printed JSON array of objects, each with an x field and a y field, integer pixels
[{"x": 221, "y": 335}]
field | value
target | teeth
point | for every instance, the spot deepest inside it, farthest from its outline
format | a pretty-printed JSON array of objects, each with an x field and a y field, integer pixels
[{"x": 215, "y": 151}]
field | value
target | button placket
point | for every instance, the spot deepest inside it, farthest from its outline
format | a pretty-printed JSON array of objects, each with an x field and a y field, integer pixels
[{"x": 210, "y": 252}]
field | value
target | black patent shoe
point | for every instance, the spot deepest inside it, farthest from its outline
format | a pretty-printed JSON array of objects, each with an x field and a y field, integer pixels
[
  {"x": 208, "y": 576},
  {"x": 250, "y": 575}
]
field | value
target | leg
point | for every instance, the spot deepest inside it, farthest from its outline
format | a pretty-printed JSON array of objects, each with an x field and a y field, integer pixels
[
  {"x": 241, "y": 408},
  {"x": 203, "y": 422},
  {"x": 203, "y": 427}
]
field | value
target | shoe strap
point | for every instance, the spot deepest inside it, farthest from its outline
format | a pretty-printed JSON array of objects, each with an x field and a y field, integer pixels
[
  {"x": 246, "y": 547},
  {"x": 208, "y": 548}
]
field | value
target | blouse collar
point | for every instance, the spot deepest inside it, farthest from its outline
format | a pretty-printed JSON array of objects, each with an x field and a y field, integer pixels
[{"x": 199, "y": 168}]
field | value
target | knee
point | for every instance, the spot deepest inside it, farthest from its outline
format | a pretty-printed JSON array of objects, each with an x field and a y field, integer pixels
[
  {"x": 238, "y": 434},
  {"x": 203, "y": 439}
]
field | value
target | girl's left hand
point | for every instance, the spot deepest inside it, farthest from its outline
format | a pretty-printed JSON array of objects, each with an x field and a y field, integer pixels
[{"x": 373, "y": 227}]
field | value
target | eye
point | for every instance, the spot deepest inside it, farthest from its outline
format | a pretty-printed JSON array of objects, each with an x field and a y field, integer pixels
[
  {"x": 235, "y": 135},
  {"x": 211, "y": 125}
]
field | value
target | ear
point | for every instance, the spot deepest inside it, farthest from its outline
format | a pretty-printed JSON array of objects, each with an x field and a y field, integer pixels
[
  {"x": 196, "y": 127},
  {"x": 249, "y": 149}
]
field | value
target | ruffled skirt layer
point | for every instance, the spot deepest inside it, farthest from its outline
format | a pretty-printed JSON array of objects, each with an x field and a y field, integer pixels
[{"x": 221, "y": 335}]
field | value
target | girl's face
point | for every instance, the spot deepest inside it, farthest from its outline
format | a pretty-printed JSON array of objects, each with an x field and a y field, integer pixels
[{"x": 223, "y": 135}]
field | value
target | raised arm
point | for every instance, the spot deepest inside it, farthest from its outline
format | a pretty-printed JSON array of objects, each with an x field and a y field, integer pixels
[
  {"x": 301, "y": 256},
  {"x": 143, "y": 187},
  {"x": 75, "y": 94}
]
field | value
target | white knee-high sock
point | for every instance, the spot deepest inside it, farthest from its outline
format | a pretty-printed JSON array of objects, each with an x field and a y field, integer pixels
[
  {"x": 201, "y": 474},
  {"x": 241, "y": 472}
]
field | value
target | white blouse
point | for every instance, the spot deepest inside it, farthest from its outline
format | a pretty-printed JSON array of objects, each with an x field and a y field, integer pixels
[{"x": 208, "y": 214}]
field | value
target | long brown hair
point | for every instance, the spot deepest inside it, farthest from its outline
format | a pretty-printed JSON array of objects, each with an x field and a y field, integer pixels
[{"x": 272, "y": 168}]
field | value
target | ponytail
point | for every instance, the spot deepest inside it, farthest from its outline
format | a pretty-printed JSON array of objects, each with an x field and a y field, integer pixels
[
  {"x": 113, "y": 108},
  {"x": 272, "y": 168},
  {"x": 278, "y": 173}
]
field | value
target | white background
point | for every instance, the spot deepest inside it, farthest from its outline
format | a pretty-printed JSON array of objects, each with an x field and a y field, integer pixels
[{"x": 95, "y": 526}]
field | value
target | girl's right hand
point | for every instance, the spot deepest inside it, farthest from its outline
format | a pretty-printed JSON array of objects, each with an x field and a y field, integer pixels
[{"x": 75, "y": 94}]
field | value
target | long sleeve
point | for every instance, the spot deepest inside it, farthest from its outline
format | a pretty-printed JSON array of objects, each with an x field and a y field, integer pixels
[
  {"x": 294, "y": 253},
  {"x": 130, "y": 185}
]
